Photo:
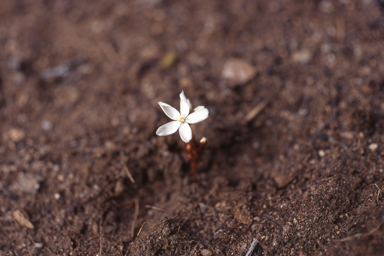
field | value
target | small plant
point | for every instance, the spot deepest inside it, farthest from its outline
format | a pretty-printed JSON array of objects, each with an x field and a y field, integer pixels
[{"x": 181, "y": 121}]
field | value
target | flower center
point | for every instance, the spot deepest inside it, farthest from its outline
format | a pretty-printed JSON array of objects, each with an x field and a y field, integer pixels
[{"x": 182, "y": 119}]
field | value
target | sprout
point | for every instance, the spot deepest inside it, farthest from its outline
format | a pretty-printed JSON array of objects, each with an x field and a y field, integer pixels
[{"x": 181, "y": 122}]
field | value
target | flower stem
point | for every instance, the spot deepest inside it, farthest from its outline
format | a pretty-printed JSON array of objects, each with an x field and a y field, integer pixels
[{"x": 193, "y": 154}]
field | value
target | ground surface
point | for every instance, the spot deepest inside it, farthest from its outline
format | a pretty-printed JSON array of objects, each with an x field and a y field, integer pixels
[{"x": 79, "y": 86}]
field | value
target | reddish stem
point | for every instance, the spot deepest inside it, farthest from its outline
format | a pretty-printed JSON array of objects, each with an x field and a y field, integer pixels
[{"x": 193, "y": 154}]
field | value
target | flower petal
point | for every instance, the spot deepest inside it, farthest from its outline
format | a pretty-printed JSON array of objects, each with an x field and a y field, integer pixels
[
  {"x": 199, "y": 115},
  {"x": 199, "y": 108},
  {"x": 185, "y": 132},
  {"x": 170, "y": 111},
  {"x": 184, "y": 106},
  {"x": 189, "y": 104},
  {"x": 168, "y": 128}
]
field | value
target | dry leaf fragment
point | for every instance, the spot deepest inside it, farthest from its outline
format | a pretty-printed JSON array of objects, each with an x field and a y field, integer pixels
[
  {"x": 168, "y": 60},
  {"x": 255, "y": 111}
]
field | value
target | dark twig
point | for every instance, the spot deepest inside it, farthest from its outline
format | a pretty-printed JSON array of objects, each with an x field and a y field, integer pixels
[
  {"x": 252, "y": 248},
  {"x": 101, "y": 237},
  {"x": 155, "y": 208},
  {"x": 125, "y": 167},
  {"x": 358, "y": 235},
  {"x": 138, "y": 233},
  {"x": 135, "y": 217}
]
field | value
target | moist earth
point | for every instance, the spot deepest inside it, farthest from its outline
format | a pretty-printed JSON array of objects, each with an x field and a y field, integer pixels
[{"x": 295, "y": 131}]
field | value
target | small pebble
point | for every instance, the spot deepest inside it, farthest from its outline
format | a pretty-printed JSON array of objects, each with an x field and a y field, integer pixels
[
  {"x": 206, "y": 252},
  {"x": 119, "y": 187},
  {"x": 110, "y": 145},
  {"x": 202, "y": 207},
  {"x": 74, "y": 144},
  {"x": 57, "y": 196},
  {"x": 115, "y": 121},
  {"x": 302, "y": 56},
  {"x": 46, "y": 125},
  {"x": 347, "y": 135},
  {"x": 238, "y": 71},
  {"x": 38, "y": 245},
  {"x": 56, "y": 168},
  {"x": 16, "y": 135},
  {"x": 321, "y": 153},
  {"x": 282, "y": 179},
  {"x": 60, "y": 178},
  {"x": 14, "y": 64},
  {"x": 373, "y": 147}
]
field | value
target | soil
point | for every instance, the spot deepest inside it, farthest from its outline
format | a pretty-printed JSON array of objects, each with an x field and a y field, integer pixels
[{"x": 295, "y": 91}]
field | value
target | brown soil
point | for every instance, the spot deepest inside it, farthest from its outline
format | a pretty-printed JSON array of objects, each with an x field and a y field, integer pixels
[{"x": 79, "y": 86}]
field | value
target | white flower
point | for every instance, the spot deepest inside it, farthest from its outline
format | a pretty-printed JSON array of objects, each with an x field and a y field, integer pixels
[{"x": 181, "y": 119}]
